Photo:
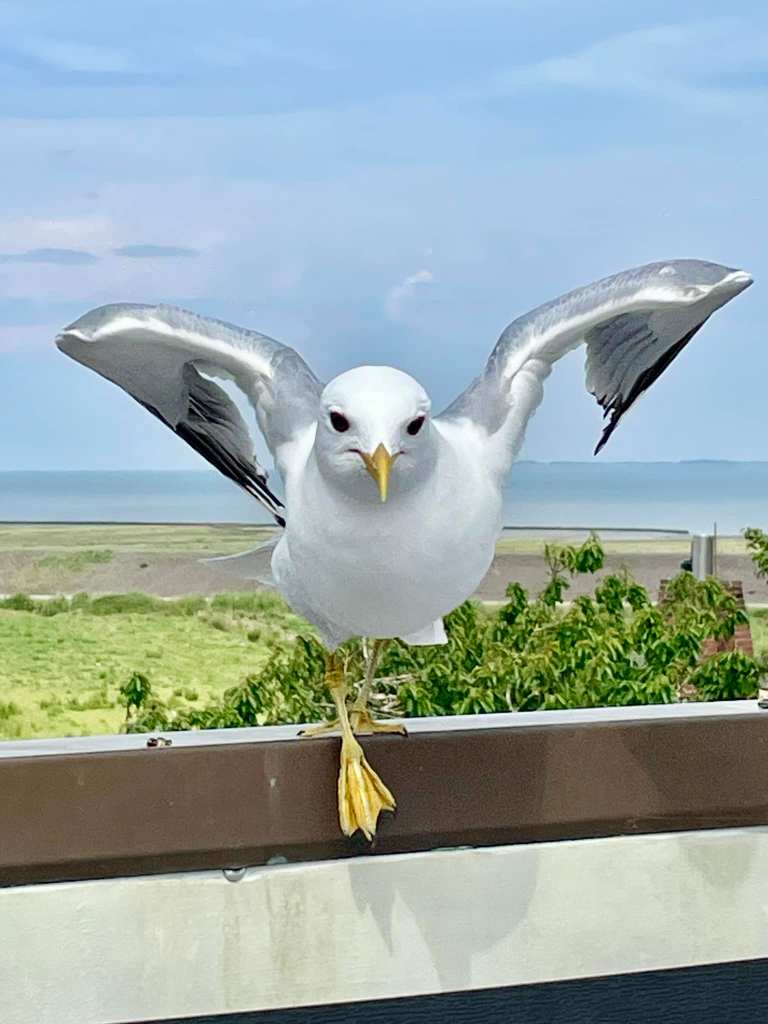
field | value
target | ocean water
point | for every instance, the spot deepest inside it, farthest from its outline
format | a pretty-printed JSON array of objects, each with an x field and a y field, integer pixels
[{"x": 652, "y": 495}]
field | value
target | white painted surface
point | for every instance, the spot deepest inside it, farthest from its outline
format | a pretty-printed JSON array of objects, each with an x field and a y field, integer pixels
[
  {"x": 292, "y": 935},
  {"x": 451, "y": 723}
]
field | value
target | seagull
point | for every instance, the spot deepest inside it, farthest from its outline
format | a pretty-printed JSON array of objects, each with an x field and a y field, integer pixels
[{"x": 391, "y": 513}]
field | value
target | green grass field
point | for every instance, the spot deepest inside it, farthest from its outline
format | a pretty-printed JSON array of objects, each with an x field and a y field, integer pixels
[
  {"x": 60, "y": 673},
  {"x": 67, "y": 539}
]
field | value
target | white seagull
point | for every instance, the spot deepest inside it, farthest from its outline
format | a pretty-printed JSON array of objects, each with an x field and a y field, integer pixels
[{"x": 389, "y": 558}]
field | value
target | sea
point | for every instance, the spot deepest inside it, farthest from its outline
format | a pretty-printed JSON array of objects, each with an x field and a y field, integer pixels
[{"x": 694, "y": 496}]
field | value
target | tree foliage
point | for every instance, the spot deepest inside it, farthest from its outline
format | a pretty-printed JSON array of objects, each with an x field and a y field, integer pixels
[
  {"x": 614, "y": 647},
  {"x": 757, "y": 545}
]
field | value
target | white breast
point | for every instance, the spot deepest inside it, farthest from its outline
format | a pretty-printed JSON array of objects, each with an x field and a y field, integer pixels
[{"x": 391, "y": 569}]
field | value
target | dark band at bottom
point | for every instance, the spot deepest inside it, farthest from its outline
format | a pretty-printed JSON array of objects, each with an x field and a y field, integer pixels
[{"x": 727, "y": 993}]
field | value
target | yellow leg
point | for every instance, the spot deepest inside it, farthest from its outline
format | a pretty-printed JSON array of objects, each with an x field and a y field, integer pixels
[
  {"x": 363, "y": 722},
  {"x": 362, "y": 794}
]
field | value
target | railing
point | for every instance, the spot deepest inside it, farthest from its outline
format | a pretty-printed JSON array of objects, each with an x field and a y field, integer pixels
[{"x": 603, "y": 865}]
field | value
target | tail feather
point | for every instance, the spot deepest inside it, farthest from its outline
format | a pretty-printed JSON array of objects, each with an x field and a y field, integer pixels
[{"x": 254, "y": 564}]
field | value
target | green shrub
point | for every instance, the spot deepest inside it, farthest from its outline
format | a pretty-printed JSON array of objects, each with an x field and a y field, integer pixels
[
  {"x": 612, "y": 648},
  {"x": 255, "y": 603},
  {"x": 77, "y": 560},
  {"x": 8, "y": 710},
  {"x": 757, "y": 545},
  {"x": 99, "y": 700},
  {"x": 731, "y": 675},
  {"x": 120, "y": 604},
  {"x": 265, "y": 607},
  {"x": 52, "y": 606},
  {"x": 135, "y": 696},
  {"x": 18, "y": 603}
]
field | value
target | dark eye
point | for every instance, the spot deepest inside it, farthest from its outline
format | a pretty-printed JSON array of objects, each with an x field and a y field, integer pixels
[
  {"x": 415, "y": 426},
  {"x": 339, "y": 423}
]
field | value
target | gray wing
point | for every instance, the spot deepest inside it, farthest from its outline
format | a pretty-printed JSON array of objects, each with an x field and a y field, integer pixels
[
  {"x": 163, "y": 356},
  {"x": 633, "y": 325}
]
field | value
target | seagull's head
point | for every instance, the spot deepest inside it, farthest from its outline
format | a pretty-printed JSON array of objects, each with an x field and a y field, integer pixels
[{"x": 374, "y": 436}]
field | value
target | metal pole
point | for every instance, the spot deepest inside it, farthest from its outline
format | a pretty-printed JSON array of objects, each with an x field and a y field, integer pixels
[{"x": 703, "y": 555}]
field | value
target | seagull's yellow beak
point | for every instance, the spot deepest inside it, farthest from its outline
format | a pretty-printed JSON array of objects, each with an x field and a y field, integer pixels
[{"x": 379, "y": 465}]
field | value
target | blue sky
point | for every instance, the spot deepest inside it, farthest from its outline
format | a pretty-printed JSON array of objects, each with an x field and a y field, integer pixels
[{"x": 377, "y": 182}]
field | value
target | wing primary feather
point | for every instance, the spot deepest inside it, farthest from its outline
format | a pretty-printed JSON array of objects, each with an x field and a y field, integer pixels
[
  {"x": 619, "y": 405},
  {"x": 236, "y": 469}
]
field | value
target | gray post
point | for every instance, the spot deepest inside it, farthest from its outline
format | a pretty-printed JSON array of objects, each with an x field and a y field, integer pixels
[{"x": 702, "y": 555}]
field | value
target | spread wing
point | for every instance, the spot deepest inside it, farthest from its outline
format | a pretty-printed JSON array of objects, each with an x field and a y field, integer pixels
[
  {"x": 633, "y": 325},
  {"x": 164, "y": 356}
]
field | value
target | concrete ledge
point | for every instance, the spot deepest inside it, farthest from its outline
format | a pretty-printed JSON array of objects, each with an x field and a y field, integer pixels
[{"x": 350, "y": 931}]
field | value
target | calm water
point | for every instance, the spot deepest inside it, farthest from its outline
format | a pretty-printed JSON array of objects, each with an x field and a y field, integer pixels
[{"x": 687, "y": 495}]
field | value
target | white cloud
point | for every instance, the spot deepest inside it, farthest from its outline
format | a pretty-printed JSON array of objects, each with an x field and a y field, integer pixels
[{"x": 402, "y": 292}]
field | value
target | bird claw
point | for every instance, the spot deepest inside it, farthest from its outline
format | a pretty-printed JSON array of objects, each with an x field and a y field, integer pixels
[
  {"x": 362, "y": 794},
  {"x": 320, "y": 730},
  {"x": 363, "y": 723}
]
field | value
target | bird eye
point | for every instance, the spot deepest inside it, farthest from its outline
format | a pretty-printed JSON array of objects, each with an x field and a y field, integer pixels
[
  {"x": 339, "y": 423},
  {"x": 415, "y": 426}
]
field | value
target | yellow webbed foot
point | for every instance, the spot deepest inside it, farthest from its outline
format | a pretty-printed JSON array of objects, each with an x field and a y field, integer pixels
[{"x": 362, "y": 794}]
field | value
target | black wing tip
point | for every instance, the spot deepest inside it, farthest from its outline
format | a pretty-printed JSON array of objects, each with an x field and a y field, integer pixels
[
  {"x": 227, "y": 463},
  {"x": 620, "y": 405},
  {"x": 606, "y": 434}
]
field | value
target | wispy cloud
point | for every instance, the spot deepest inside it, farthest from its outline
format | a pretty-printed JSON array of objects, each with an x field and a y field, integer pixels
[
  {"x": 223, "y": 50},
  {"x": 227, "y": 50},
  {"x": 402, "y": 292},
  {"x": 155, "y": 252},
  {"x": 691, "y": 65},
  {"x": 66, "y": 55},
  {"x": 64, "y": 257}
]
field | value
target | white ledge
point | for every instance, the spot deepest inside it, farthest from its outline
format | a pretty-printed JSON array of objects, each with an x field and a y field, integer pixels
[{"x": 451, "y": 723}]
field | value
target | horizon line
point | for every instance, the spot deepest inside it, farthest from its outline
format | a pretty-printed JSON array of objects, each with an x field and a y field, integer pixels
[{"x": 520, "y": 462}]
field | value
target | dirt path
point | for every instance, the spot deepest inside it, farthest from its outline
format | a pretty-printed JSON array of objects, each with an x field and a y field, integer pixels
[
  {"x": 648, "y": 569},
  {"x": 169, "y": 575}
]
